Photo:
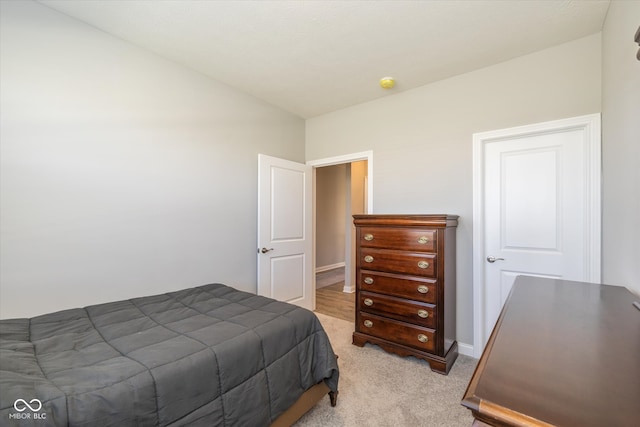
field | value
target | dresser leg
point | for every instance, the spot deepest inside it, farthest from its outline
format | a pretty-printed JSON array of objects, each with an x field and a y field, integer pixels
[
  {"x": 357, "y": 340},
  {"x": 445, "y": 366},
  {"x": 439, "y": 367}
]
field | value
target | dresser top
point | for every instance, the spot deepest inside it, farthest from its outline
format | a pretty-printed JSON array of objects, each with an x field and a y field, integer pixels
[
  {"x": 563, "y": 353},
  {"x": 436, "y": 220}
]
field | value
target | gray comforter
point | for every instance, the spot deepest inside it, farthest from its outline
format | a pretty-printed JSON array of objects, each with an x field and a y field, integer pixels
[{"x": 209, "y": 355}]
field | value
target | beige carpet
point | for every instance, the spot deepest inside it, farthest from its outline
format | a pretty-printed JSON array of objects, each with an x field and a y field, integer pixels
[{"x": 380, "y": 389}]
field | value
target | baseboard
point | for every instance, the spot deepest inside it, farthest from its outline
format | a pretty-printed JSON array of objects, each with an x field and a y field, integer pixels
[
  {"x": 329, "y": 267},
  {"x": 465, "y": 349},
  {"x": 348, "y": 289}
]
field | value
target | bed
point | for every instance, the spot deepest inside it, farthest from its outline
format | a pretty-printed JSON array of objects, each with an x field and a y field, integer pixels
[{"x": 209, "y": 355}]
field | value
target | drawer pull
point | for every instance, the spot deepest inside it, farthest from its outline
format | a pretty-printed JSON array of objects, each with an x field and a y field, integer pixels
[
  {"x": 368, "y": 302},
  {"x": 423, "y": 289},
  {"x": 368, "y": 237},
  {"x": 423, "y": 338},
  {"x": 423, "y": 240},
  {"x": 368, "y": 258},
  {"x": 368, "y": 280},
  {"x": 423, "y": 264},
  {"x": 368, "y": 323},
  {"x": 423, "y": 313}
]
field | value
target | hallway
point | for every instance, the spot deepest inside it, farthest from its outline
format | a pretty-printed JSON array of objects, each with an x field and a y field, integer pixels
[{"x": 330, "y": 299}]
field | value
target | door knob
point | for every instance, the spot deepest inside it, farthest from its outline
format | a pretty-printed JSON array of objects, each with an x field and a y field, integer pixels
[
  {"x": 493, "y": 259},
  {"x": 265, "y": 250}
]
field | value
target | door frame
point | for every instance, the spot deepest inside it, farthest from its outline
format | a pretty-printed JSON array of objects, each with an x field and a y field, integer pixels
[
  {"x": 590, "y": 124},
  {"x": 338, "y": 160}
]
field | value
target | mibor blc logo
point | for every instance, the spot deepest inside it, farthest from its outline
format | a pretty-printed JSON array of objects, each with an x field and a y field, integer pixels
[{"x": 27, "y": 410}]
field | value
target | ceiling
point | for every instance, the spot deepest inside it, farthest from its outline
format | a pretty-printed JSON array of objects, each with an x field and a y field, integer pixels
[{"x": 313, "y": 57}]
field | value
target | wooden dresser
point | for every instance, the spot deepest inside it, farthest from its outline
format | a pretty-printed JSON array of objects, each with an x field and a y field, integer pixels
[
  {"x": 406, "y": 286},
  {"x": 562, "y": 353}
]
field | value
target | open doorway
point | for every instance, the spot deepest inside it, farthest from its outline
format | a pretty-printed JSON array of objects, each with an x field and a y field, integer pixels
[{"x": 342, "y": 188}]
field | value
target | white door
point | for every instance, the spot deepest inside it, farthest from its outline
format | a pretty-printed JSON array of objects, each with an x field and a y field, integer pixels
[
  {"x": 539, "y": 196},
  {"x": 284, "y": 231}
]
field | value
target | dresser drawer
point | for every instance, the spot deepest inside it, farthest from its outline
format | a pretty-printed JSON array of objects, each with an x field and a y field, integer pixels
[
  {"x": 400, "y": 332},
  {"x": 398, "y": 238},
  {"x": 415, "y": 288},
  {"x": 400, "y": 309},
  {"x": 417, "y": 264}
]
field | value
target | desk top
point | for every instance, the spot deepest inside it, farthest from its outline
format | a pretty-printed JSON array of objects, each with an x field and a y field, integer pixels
[{"x": 562, "y": 353}]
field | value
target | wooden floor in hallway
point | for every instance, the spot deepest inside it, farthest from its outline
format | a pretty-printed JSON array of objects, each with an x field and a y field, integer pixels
[{"x": 332, "y": 301}]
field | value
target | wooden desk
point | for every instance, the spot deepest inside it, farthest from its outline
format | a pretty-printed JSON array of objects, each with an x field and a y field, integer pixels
[{"x": 562, "y": 353}]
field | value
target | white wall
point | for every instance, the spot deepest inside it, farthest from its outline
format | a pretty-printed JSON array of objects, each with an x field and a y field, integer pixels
[
  {"x": 621, "y": 146},
  {"x": 422, "y": 138},
  {"x": 358, "y": 206},
  {"x": 331, "y": 193},
  {"x": 122, "y": 173}
]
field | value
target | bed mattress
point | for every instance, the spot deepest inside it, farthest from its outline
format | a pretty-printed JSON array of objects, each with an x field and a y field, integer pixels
[{"x": 209, "y": 355}]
